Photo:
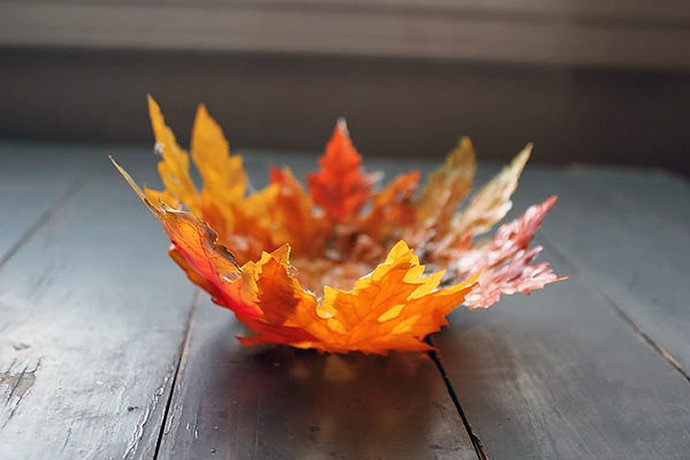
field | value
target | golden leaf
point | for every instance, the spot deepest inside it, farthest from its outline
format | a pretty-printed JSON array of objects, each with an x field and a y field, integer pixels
[
  {"x": 223, "y": 174},
  {"x": 492, "y": 202},
  {"x": 174, "y": 165},
  {"x": 447, "y": 186}
]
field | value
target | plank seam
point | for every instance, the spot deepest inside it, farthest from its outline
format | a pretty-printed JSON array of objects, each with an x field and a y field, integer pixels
[
  {"x": 43, "y": 219},
  {"x": 474, "y": 439},
  {"x": 647, "y": 339},
  {"x": 178, "y": 366},
  {"x": 637, "y": 329}
]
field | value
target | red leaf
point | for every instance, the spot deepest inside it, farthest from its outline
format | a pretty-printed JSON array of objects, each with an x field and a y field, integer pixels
[{"x": 340, "y": 187}]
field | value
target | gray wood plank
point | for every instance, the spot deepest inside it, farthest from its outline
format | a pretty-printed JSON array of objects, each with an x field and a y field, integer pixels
[
  {"x": 628, "y": 232},
  {"x": 273, "y": 403},
  {"x": 34, "y": 178},
  {"x": 559, "y": 374},
  {"x": 92, "y": 318}
]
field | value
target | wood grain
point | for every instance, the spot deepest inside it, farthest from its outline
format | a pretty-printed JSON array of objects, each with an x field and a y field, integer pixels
[
  {"x": 92, "y": 316},
  {"x": 34, "y": 181},
  {"x": 559, "y": 374},
  {"x": 236, "y": 402},
  {"x": 628, "y": 233}
]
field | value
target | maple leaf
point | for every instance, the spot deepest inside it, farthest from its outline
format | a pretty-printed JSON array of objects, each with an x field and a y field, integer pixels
[
  {"x": 195, "y": 248},
  {"x": 340, "y": 187},
  {"x": 223, "y": 174},
  {"x": 174, "y": 165},
  {"x": 241, "y": 222},
  {"x": 492, "y": 202},
  {"x": 447, "y": 187},
  {"x": 505, "y": 264},
  {"x": 516, "y": 275},
  {"x": 393, "y": 307},
  {"x": 485, "y": 209},
  {"x": 312, "y": 270}
]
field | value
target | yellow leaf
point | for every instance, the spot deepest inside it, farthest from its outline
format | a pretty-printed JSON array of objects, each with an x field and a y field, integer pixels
[
  {"x": 392, "y": 308},
  {"x": 492, "y": 202},
  {"x": 223, "y": 174},
  {"x": 174, "y": 165},
  {"x": 446, "y": 188},
  {"x": 448, "y": 185}
]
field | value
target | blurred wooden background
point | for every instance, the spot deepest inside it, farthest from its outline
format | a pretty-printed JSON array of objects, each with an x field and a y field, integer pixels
[{"x": 587, "y": 81}]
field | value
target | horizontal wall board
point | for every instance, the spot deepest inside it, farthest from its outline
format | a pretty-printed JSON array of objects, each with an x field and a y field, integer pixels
[
  {"x": 395, "y": 108},
  {"x": 495, "y": 34}
]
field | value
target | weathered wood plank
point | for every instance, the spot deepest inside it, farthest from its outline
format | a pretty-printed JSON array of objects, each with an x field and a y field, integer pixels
[
  {"x": 236, "y": 402},
  {"x": 34, "y": 178},
  {"x": 87, "y": 362},
  {"x": 628, "y": 232},
  {"x": 559, "y": 374},
  {"x": 92, "y": 316}
]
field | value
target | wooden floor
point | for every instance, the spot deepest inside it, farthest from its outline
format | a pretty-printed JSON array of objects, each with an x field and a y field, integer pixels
[{"x": 107, "y": 351}]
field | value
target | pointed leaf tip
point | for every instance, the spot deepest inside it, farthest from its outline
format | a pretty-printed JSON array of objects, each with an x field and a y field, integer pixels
[
  {"x": 127, "y": 178},
  {"x": 341, "y": 124},
  {"x": 340, "y": 187}
]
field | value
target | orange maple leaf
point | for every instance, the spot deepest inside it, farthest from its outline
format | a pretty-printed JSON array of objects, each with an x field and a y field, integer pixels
[
  {"x": 352, "y": 284},
  {"x": 392, "y": 308},
  {"x": 340, "y": 187}
]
